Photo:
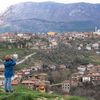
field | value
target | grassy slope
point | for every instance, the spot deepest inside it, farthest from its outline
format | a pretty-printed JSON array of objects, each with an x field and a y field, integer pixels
[
  {"x": 23, "y": 93},
  {"x": 21, "y": 52}
]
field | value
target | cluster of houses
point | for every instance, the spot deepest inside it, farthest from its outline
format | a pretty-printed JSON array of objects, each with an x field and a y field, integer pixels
[
  {"x": 25, "y": 77},
  {"x": 85, "y": 74},
  {"x": 35, "y": 78},
  {"x": 53, "y": 39},
  {"x": 28, "y": 39},
  {"x": 13, "y": 37},
  {"x": 85, "y": 36}
]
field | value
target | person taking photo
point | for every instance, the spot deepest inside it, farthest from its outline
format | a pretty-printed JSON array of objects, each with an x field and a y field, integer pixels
[{"x": 9, "y": 64}]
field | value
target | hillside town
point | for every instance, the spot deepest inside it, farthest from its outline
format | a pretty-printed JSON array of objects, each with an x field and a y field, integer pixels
[
  {"x": 49, "y": 50},
  {"x": 36, "y": 77}
]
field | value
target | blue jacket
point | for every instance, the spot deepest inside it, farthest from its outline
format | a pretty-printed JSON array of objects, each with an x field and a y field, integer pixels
[{"x": 9, "y": 64}]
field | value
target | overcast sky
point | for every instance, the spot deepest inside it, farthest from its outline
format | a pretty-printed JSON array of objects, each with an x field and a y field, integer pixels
[{"x": 6, "y": 3}]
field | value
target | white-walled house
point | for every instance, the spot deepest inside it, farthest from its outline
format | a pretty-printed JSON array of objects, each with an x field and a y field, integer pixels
[
  {"x": 88, "y": 47},
  {"x": 66, "y": 86},
  {"x": 86, "y": 79},
  {"x": 81, "y": 68},
  {"x": 95, "y": 46}
]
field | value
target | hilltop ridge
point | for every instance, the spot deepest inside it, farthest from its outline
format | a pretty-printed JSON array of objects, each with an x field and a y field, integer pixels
[{"x": 50, "y": 16}]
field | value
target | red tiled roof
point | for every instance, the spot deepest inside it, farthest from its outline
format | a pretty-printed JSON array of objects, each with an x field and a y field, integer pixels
[
  {"x": 14, "y": 82},
  {"x": 96, "y": 74}
]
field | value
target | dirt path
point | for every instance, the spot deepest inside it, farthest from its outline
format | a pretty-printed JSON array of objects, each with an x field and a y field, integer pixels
[{"x": 28, "y": 56}]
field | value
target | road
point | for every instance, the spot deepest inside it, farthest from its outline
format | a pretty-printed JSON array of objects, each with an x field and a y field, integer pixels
[{"x": 28, "y": 56}]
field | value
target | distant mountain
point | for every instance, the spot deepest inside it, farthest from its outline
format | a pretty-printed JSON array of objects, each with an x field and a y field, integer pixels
[{"x": 50, "y": 16}]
